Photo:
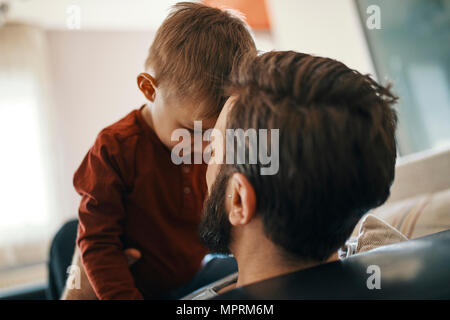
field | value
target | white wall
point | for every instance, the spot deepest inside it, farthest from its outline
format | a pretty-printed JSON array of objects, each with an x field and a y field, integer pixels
[
  {"x": 94, "y": 85},
  {"x": 329, "y": 28}
]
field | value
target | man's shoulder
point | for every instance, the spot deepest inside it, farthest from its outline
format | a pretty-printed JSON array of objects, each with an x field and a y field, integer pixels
[{"x": 211, "y": 290}]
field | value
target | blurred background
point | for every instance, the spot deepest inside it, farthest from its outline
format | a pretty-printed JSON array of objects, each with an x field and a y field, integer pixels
[{"x": 68, "y": 68}]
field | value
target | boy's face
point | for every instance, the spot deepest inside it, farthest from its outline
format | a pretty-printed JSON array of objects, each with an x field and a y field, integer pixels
[{"x": 168, "y": 115}]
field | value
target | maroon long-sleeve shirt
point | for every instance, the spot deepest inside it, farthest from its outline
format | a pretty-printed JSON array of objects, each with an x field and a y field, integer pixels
[{"x": 134, "y": 196}]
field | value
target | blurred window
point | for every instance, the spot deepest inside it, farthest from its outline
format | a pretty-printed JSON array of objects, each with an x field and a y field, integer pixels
[
  {"x": 412, "y": 50},
  {"x": 23, "y": 183},
  {"x": 25, "y": 215}
]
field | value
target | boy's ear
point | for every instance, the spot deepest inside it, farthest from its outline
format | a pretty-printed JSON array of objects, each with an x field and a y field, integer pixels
[{"x": 147, "y": 84}]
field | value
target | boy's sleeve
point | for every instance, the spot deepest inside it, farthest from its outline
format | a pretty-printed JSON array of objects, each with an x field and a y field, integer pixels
[{"x": 101, "y": 221}]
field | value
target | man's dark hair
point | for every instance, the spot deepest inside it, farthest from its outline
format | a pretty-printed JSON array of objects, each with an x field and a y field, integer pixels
[{"x": 337, "y": 147}]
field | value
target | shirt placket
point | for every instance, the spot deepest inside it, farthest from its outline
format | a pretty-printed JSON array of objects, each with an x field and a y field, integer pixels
[{"x": 188, "y": 192}]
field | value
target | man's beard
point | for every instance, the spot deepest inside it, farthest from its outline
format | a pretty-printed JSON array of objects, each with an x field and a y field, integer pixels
[{"x": 215, "y": 228}]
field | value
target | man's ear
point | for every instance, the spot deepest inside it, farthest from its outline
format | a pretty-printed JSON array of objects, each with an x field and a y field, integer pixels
[
  {"x": 147, "y": 84},
  {"x": 242, "y": 200}
]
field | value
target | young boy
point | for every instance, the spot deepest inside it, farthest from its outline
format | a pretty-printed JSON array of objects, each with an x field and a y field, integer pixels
[{"x": 133, "y": 195}]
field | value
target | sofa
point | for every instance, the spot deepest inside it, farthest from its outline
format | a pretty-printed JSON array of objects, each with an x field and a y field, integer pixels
[{"x": 418, "y": 207}]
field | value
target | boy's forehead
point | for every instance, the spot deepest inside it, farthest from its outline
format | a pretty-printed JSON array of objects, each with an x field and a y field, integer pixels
[{"x": 218, "y": 122}]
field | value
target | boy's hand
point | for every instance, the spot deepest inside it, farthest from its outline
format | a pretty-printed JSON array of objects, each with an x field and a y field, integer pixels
[{"x": 132, "y": 255}]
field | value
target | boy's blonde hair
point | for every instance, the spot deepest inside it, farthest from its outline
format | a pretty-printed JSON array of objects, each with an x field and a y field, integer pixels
[{"x": 194, "y": 51}]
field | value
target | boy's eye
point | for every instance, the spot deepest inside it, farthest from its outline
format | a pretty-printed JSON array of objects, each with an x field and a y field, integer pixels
[{"x": 191, "y": 130}]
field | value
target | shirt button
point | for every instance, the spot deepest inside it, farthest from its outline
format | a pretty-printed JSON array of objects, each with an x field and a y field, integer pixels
[
  {"x": 186, "y": 190},
  {"x": 186, "y": 169}
]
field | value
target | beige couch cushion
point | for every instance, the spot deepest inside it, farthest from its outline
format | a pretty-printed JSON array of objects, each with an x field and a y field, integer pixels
[
  {"x": 375, "y": 232},
  {"x": 421, "y": 173},
  {"x": 372, "y": 233},
  {"x": 418, "y": 216}
]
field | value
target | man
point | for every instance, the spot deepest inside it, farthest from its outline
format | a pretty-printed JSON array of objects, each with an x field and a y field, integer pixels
[{"x": 337, "y": 155}]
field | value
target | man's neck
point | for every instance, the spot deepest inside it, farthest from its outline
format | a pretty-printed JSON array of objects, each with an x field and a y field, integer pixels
[{"x": 261, "y": 260}]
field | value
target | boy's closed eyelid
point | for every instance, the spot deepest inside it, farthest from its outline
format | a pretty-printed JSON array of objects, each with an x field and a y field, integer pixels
[{"x": 194, "y": 131}]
